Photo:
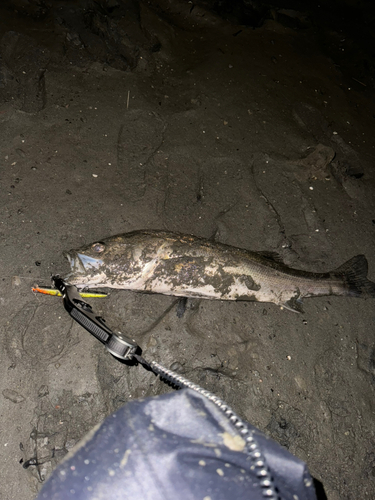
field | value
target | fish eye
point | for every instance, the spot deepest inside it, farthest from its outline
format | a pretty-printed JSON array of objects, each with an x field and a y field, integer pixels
[{"x": 98, "y": 247}]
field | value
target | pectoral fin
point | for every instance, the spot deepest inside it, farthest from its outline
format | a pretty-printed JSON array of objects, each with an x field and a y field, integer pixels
[{"x": 294, "y": 304}]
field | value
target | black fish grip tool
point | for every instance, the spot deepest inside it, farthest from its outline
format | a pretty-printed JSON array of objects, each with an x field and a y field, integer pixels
[{"x": 119, "y": 345}]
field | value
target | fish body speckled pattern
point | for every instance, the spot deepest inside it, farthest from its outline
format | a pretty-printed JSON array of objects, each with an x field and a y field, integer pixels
[{"x": 189, "y": 266}]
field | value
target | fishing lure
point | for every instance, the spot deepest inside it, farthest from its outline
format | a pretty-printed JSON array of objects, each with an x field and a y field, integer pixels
[{"x": 47, "y": 290}]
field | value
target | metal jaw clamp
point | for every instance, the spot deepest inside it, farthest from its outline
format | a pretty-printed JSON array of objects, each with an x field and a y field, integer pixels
[{"x": 119, "y": 345}]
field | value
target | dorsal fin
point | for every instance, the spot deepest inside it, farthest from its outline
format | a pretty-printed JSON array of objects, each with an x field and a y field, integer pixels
[{"x": 276, "y": 257}]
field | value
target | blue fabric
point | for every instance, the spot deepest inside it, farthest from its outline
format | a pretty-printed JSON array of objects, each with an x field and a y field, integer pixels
[{"x": 175, "y": 446}]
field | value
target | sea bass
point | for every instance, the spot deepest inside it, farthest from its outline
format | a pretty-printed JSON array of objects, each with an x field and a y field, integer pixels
[{"x": 188, "y": 266}]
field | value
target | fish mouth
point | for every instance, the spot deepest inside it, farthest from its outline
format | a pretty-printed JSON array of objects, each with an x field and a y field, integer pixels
[{"x": 81, "y": 263}]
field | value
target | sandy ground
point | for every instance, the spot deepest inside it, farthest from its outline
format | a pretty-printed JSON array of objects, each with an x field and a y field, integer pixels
[{"x": 252, "y": 137}]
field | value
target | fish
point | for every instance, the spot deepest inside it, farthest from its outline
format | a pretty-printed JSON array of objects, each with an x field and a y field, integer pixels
[{"x": 189, "y": 266}]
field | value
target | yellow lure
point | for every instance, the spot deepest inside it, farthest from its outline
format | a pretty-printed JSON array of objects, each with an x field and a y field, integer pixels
[{"x": 52, "y": 291}]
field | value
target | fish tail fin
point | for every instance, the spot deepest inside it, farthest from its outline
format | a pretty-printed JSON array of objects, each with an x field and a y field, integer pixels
[{"x": 354, "y": 274}]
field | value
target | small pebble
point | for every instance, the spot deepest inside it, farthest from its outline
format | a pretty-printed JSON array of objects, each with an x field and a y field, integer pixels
[
  {"x": 177, "y": 367},
  {"x": 16, "y": 281},
  {"x": 70, "y": 443},
  {"x": 13, "y": 396},
  {"x": 43, "y": 391}
]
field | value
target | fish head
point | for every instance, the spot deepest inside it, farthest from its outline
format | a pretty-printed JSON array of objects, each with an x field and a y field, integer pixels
[{"x": 95, "y": 264}]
